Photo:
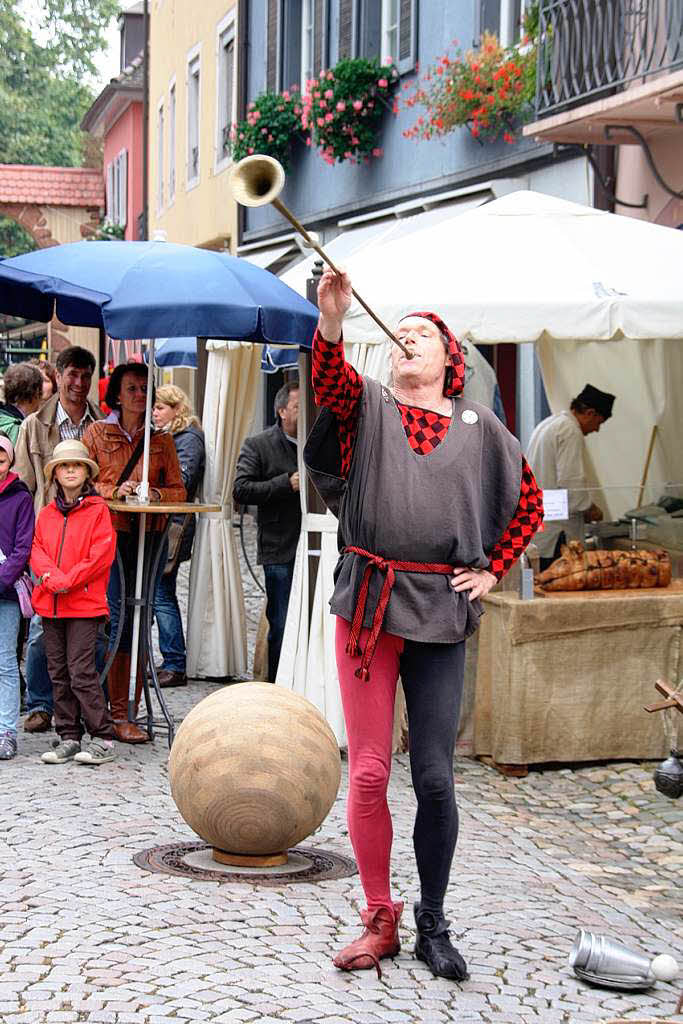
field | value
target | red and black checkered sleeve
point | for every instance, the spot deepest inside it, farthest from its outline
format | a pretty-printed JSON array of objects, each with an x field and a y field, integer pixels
[
  {"x": 339, "y": 387},
  {"x": 524, "y": 524}
]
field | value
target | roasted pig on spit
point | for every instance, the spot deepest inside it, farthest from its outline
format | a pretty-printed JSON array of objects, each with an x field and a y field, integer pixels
[{"x": 577, "y": 569}]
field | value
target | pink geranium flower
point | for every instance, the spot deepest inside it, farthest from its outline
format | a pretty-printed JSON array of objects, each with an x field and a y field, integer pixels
[{"x": 357, "y": 104}]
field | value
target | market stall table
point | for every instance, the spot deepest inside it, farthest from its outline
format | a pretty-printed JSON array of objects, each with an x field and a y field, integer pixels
[
  {"x": 564, "y": 677},
  {"x": 154, "y": 547}
]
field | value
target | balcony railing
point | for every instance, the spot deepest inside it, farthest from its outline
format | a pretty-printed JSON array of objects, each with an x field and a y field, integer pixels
[{"x": 589, "y": 49}]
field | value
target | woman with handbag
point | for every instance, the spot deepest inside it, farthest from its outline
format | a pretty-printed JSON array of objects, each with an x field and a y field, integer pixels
[
  {"x": 173, "y": 413},
  {"x": 16, "y": 536},
  {"x": 116, "y": 445}
]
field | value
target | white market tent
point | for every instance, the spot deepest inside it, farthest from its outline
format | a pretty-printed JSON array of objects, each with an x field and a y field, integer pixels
[{"x": 600, "y": 296}]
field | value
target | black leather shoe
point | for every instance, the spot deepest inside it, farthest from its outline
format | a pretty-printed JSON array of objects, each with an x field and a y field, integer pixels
[{"x": 434, "y": 947}]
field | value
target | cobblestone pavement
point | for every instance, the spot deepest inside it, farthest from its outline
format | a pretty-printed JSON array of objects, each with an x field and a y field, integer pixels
[{"x": 88, "y": 936}]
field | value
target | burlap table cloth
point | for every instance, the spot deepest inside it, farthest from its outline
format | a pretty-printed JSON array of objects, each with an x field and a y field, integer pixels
[{"x": 565, "y": 678}]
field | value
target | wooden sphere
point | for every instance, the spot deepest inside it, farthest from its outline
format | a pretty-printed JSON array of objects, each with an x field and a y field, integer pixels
[{"x": 254, "y": 769}]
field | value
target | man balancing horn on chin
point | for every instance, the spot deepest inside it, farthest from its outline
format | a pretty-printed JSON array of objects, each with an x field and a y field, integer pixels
[{"x": 435, "y": 502}]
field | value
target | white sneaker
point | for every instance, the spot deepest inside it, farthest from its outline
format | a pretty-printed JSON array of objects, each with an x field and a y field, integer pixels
[
  {"x": 97, "y": 752},
  {"x": 62, "y": 751}
]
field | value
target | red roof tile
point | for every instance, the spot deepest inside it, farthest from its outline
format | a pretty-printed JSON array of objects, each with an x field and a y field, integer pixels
[{"x": 51, "y": 186}]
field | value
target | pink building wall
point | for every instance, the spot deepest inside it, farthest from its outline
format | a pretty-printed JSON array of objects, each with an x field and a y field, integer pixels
[
  {"x": 635, "y": 179},
  {"x": 126, "y": 133}
]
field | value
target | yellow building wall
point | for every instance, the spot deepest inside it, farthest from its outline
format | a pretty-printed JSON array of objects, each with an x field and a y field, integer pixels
[{"x": 203, "y": 214}]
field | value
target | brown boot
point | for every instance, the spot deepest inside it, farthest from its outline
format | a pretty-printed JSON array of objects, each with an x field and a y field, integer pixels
[
  {"x": 117, "y": 684},
  {"x": 379, "y": 940}
]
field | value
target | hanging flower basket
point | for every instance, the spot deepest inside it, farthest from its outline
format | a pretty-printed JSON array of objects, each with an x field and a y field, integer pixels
[
  {"x": 273, "y": 121},
  {"x": 343, "y": 108},
  {"x": 490, "y": 90}
]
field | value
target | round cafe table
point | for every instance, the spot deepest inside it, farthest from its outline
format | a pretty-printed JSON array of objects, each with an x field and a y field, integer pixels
[{"x": 154, "y": 542}]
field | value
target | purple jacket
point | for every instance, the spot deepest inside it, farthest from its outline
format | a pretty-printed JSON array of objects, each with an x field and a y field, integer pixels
[{"x": 16, "y": 535}]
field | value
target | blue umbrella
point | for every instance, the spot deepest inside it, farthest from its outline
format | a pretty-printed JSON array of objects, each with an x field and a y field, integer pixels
[
  {"x": 183, "y": 352},
  {"x": 175, "y": 352},
  {"x": 155, "y": 290},
  {"x": 274, "y": 359}
]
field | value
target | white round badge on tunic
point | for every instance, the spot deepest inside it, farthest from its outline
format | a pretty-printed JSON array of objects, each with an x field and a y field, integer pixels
[{"x": 469, "y": 416}]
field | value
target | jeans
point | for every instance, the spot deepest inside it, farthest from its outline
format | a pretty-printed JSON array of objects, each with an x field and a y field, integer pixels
[
  {"x": 169, "y": 623},
  {"x": 127, "y": 546},
  {"x": 39, "y": 696},
  {"x": 278, "y": 586},
  {"x": 9, "y": 668}
]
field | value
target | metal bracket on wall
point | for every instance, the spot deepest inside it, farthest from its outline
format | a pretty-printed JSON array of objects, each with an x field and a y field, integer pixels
[
  {"x": 642, "y": 142},
  {"x": 604, "y": 182}
]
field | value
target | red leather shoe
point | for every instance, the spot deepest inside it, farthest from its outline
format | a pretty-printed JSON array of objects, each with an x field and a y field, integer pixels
[{"x": 378, "y": 941}]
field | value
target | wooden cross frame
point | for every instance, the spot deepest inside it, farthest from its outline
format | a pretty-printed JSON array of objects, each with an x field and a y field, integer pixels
[{"x": 674, "y": 698}]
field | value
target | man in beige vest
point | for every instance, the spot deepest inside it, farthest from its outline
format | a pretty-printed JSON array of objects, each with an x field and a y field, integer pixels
[{"x": 64, "y": 416}]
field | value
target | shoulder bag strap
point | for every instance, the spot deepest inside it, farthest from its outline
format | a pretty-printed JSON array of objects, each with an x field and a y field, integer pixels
[{"x": 130, "y": 465}]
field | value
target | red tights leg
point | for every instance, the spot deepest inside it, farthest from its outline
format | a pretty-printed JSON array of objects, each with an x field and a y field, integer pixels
[{"x": 369, "y": 715}]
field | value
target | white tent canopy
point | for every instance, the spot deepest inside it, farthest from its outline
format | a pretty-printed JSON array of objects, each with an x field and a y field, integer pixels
[
  {"x": 524, "y": 267},
  {"x": 599, "y": 294}
]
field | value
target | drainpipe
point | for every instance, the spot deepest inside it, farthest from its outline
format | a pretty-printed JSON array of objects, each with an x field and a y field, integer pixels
[{"x": 144, "y": 233}]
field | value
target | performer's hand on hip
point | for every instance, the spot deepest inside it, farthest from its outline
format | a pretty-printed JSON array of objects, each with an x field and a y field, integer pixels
[
  {"x": 477, "y": 581},
  {"x": 334, "y": 299}
]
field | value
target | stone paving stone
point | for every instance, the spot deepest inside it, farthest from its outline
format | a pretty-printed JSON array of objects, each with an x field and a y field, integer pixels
[{"x": 87, "y": 936}]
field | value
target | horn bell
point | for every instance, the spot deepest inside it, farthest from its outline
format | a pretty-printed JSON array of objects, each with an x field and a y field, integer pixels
[{"x": 257, "y": 180}]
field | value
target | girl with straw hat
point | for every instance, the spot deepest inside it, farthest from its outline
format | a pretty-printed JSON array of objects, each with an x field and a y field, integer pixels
[{"x": 73, "y": 549}]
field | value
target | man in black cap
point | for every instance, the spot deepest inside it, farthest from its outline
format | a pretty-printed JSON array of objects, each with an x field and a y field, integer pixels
[{"x": 556, "y": 456}]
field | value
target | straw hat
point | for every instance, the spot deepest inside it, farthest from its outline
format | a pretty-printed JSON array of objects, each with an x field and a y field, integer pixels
[{"x": 70, "y": 451}]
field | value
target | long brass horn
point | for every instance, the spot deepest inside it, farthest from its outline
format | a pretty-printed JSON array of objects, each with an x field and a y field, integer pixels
[{"x": 258, "y": 180}]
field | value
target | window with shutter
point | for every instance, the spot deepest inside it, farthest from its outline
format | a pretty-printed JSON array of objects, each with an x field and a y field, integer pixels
[
  {"x": 160, "y": 156},
  {"x": 272, "y": 45},
  {"x": 110, "y": 193},
  {"x": 346, "y": 47},
  {"x": 313, "y": 39},
  {"x": 406, "y": 57},
  {"x": 370, "y": 16},
  {"x": 123, "y": 188},
  {"x": 193, "y": 107},
  {"x": 171, "y": 141},
  {"x": 320, "y": 56},
  {"x": 502, "y": 18},
  {"x": 225, "y": 112}
]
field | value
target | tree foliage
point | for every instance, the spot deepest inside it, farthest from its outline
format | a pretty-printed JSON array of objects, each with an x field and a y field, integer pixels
[{"x": 44, "y": 69}]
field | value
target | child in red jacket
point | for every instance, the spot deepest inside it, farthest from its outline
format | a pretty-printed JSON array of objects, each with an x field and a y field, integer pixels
[{"x": 73, "y": 549}]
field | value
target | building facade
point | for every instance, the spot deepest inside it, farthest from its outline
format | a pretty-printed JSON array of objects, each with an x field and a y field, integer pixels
[
  {"x": 283, "y": 41},
  {"x": 192, "y": 103},
  {"x": 624, "y": 95},
  {"x": 116, "y": 117}
]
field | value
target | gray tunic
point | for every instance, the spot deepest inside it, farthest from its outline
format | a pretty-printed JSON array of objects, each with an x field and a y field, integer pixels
[{"x": 450, "y": 507}]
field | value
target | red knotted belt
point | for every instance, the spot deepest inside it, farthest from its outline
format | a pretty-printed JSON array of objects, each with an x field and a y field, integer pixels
[{"x": 390, "y": 566}]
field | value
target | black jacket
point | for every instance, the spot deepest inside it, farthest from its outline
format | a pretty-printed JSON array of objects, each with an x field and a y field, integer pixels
[{"x": 264, "y": 467}]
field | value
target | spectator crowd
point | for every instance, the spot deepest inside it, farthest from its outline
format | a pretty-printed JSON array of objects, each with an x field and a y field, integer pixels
[{"x": 66, "y": 558}]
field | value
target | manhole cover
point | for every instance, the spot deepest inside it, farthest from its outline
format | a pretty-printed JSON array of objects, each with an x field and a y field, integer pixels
[{"x": 194, "y": 860}]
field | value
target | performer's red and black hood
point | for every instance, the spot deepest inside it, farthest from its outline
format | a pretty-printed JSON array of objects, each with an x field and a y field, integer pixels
[{"x": 455, "y": 374}]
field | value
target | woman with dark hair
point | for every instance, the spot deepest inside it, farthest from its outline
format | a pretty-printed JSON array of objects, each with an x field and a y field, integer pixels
[{"x": 112, "y": 443}]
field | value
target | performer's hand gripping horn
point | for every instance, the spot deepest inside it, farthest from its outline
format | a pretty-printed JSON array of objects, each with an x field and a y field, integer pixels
[{"x": 258, "y": 180}]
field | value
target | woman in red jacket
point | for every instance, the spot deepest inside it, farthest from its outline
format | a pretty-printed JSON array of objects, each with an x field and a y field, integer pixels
[{"x": 73, "y": 549}]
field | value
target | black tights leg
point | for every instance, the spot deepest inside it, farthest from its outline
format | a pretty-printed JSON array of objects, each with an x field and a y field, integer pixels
[{"x": 432, "y": 677}]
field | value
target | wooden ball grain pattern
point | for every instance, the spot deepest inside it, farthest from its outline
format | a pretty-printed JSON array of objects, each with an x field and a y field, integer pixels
[{"x": 254, "y": 769}]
